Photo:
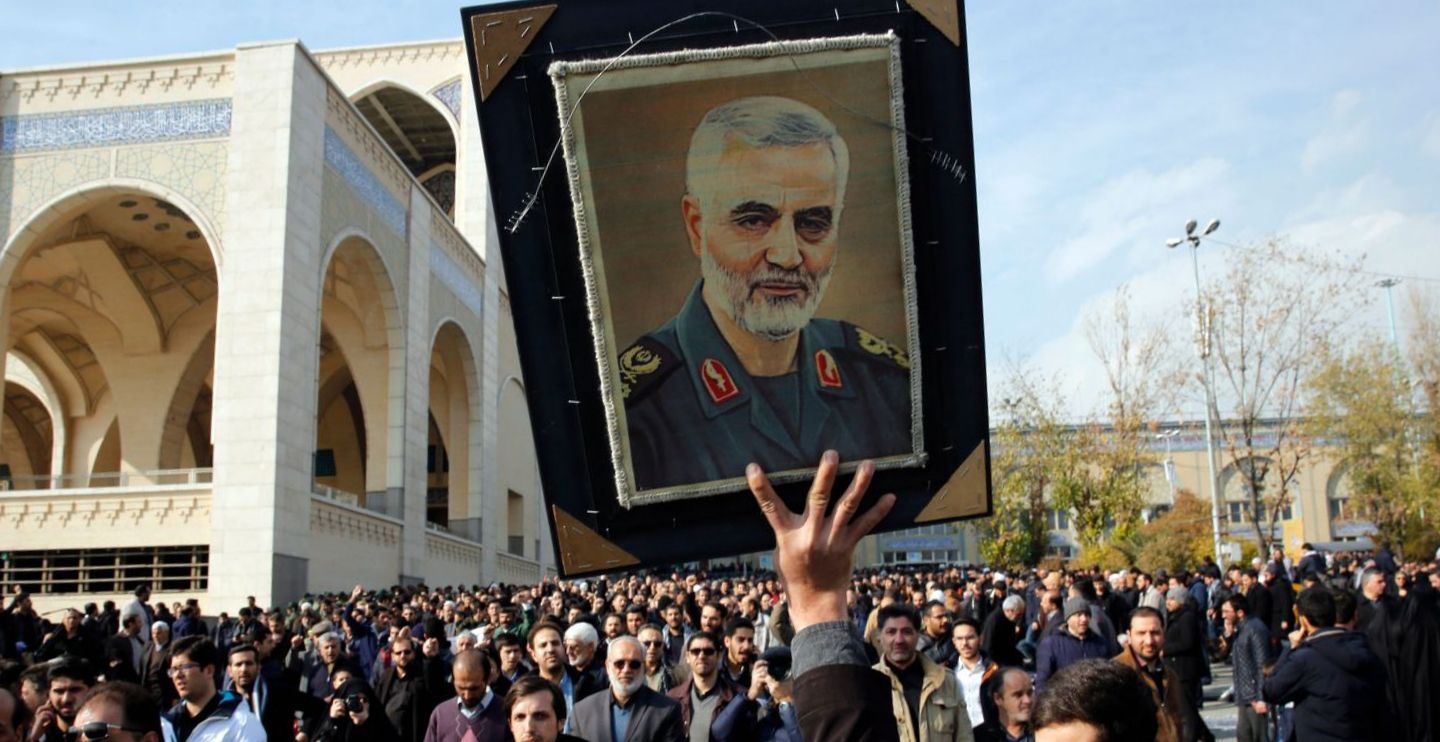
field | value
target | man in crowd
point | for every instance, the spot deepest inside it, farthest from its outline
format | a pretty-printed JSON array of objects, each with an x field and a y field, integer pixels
[
  {"x": 1095, "y": 700},
  {"x": 140, "y": 606},
  {"x": 1336, "y": 683},
  {"x": 675, "y": 633},
  {"x": 120, "y": 711},
  {"x": 206, "y": 713},
  {"x": 125, "y": 651},
  {"x": 1184, "y": 644},
  {"x": 739, "y": 651},
  {"x": 270, "y": 698},
  {"x": 411, "y": 689},
  {"x": 1012, "y": 693},
  {"x": 712, "y": 618},
  {"x": 1072, "y": 641},
  {"x": 476, "y": 715},
  {"x": 547, "y": 653},
  {"x": 659, "y": 676},
  {"x": 586, "y": 672},
  {"x": 511, "y": 649},
  {"x": 925, "y": 697},
  {"x": 1249, "y": 655},
  {"x": 535, "y": 711},
  {"x": 711, "y": 707},
  {"x": 13, "y": 718},
  {"x": 631, "y": 710},
  {"x": 1142, "y": 653},
  {"x": 67, "y": 681},
  {"x": 973, "y": 669},
  {"x": 935, "y": 639},
  {"x": 317, "y": 664},
  {"x": 155, "y": 667},
  {"x": 1003, "y": 630}
]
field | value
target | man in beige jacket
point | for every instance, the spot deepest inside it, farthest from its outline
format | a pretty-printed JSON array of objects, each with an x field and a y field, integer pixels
[{"x": 928, "y": 704}]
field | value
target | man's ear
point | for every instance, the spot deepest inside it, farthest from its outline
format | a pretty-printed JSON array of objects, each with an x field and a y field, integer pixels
[{"x": 690, "y": 212}]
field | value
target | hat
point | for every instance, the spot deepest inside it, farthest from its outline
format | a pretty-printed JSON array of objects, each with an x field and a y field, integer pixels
[
  {"x": 1161, "y": 574},
  {"x": 1177, "y": 594},
  {"x": 1076, "y": 605}
]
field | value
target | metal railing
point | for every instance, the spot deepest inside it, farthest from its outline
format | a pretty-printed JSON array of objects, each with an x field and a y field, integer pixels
[{"x": 111, "y": 480}]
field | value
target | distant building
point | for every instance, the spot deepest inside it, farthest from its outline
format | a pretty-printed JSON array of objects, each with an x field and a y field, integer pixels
[{"x": 257, "y": 339}]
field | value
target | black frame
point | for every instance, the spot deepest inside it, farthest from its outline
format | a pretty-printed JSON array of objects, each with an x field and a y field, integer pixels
[{"x": 519, "y": 128}]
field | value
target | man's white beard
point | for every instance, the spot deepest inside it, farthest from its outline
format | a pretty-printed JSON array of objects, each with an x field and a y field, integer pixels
[
  {"x": 774, "y": 317},
  {"x": 626, "y": 691}
]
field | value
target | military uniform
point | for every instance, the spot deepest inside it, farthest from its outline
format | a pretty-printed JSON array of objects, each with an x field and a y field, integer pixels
[{"x": 695, "y": 415}]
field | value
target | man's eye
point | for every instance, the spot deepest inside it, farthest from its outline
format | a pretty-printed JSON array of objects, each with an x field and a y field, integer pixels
[
  {"x": 812, "y": 228},
  {"x": 752, "y": 222}
]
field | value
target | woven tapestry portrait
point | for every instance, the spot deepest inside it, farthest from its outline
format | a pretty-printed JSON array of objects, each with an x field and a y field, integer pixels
[{"x": 743, "y": 220}]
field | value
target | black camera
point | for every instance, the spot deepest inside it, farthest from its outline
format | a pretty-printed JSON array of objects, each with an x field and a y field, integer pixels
[{"x": 354, "y": 703}]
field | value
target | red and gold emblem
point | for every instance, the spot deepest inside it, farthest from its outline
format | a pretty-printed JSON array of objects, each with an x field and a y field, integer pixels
[
  {"x": 718, "y": 381},
  {"x": 827, "y": 370}
]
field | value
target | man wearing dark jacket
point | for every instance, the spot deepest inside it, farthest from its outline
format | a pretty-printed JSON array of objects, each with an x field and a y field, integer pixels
[
  {"x": 411, "y": 689},
  {"x": 708, "y": 700},
  {"x": 1312, "y": 564},
  {"x": 630, "y": 710},
  {"x": 1336, "y": 683},
  {"x": 1282, "y": 601},
  {"x": 1184, "y": 639},
  {"x": 124, "y": 652},
  {"x": 1249, "y": 653},
  {"x": 1071, "y": 643}
]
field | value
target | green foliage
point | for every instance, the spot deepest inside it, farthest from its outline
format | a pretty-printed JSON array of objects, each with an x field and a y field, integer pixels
[
  {"x": 1362, "y": 399},
  {"x": 1107, "y": 556},
  {"x": 1179, "y": 539}
]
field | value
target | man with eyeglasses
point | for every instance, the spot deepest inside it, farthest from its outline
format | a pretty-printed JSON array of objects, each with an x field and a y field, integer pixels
[
  {"x": 206, "y": 713},
  {"x": 659, "y": 676},
  {"x": 631, "y": 710},
  {"x": 712, "y": 707},
  {"x": 118, "y": 711}
]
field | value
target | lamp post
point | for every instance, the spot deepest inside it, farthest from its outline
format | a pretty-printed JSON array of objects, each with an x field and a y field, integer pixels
[
  {"x": 1389, "y": 285},
  {"x": 1202, "y": 349}
]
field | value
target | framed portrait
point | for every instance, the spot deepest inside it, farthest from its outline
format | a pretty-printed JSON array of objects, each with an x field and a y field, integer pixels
[{"x": 747, "y": 237}]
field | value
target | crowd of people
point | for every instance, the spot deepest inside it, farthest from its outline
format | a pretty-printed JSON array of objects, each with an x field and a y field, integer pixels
[{"x": 946, "y": 653}]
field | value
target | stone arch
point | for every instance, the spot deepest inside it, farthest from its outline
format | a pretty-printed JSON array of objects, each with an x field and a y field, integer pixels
[
  {"x": 360, "y": 313},
  {"x": 22, "y": 370},
  {"x": 409, "y": 121},
  {"x": 187, "y": 421},
  {"x": 454, "y": 400},
  {"x": 1338, "y": 502},
  {"x": 29, "y": 432},
  {"x": 108, "y": 458}
]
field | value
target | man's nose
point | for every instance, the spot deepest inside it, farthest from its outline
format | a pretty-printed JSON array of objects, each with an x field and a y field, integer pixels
[{"x": 782, "y": 245}]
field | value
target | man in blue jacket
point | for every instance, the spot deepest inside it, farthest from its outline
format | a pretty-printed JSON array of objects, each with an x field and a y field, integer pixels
[
  {"x": 1336, "y": 683},
  {"x": 1071, "y": 643}
]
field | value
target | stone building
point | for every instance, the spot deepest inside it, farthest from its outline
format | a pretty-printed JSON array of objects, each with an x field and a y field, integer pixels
[{"x": 257, "y": 336}]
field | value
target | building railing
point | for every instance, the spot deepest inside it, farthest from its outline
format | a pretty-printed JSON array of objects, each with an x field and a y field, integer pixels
[
  {"x": 111, "y": 480},
  {"x": 516, "y": 570},
  {"x": 330, "y": 493}
]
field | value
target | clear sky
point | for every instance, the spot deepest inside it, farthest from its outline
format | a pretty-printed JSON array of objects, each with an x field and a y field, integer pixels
[{"x": 1101, "y": 127}]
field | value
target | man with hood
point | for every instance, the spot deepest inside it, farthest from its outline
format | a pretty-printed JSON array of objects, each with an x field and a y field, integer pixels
[{"x": 1336, "y": 683}]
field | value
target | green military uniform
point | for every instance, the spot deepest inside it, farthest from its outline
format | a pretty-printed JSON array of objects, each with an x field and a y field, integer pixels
[{"x": 694, "y": 415}]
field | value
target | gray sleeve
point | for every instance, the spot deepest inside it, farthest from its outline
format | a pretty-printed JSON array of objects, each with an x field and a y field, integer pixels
[{"x": 829, "y": 643}]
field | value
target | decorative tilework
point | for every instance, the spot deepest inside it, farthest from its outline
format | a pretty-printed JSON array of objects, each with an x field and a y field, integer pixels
[
  {"x": 456, "y": 279},
  {"x": 27, "y": 183},
  {"x": 195, "y": 170},
  {"x": 449, "y": 94},
  {"x": 342, "y": 209},
  {"x": 109, "y": 126},
  {"x": 364, "y": 183},
  {"x": 442, "y": 188}
]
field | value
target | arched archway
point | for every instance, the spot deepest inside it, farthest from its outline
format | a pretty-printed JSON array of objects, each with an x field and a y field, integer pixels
[
  {"x": 417, "y": 132},
  {"x": 110, "y": 292},
  {"x": 360, "y": 377},
  {"x": 29, "y": 438},
  {"x": 452, "y": 484}
]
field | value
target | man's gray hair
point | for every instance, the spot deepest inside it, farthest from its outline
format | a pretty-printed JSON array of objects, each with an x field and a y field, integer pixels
[
  {"x": 1013, "y": 603},
  {"x": 627, "y": 639},
  {"x": 582, "y": 632},
  {"x": 759, "y": 122},
  {"x": 328, "y": 637}
]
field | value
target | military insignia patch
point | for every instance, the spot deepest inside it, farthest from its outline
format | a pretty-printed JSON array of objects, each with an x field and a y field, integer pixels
[
  {"x": 642, "y": 364},
  {"x": 827, "y": 371},
  {"x": 873, "y": 344},
  {"x": 718, "y": 381}
]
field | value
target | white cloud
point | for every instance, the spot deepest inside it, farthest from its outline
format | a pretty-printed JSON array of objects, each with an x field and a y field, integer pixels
[
  {"x": 1139, "y": 207},
  {"x": 1346, "y": 132}
]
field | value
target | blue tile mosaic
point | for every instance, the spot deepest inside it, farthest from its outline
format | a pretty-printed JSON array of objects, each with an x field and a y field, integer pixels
[
  {"x": 449, "y": 94},
  {"x": 456, "y": 279},
  {"x": 369, "y": 188},
  {"x": 110, "y": 126}
]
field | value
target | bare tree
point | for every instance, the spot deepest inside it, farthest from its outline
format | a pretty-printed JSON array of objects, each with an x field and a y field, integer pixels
[{"x": 1268, "y": 315}]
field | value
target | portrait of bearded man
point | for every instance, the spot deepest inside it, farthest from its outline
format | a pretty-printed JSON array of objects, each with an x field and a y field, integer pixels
[{"x": 745, "y": 371}]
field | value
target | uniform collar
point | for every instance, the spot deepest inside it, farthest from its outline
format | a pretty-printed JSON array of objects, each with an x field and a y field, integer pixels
[{"x": 721, "y": 384}]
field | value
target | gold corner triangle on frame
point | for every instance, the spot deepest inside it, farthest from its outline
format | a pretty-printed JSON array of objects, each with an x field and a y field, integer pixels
[
  {"x": 584, "y": 550},
  {"x": 500, "y": 38},
  {"x": 942, "y": 14},
  {"x": 963, "y": 495}
]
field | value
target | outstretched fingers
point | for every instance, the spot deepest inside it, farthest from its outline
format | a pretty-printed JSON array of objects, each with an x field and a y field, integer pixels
[
  {"x": 849, "y": 503},
  {"x": 779, "y": 516},
  {"x": 871, "y": 518},
  {"x": 819, "y": 496}
]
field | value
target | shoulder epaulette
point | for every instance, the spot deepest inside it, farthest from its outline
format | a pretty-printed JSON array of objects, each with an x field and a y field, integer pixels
[
  {"x": 877, "y": 347},
  {"x": 643, "y": 366}
]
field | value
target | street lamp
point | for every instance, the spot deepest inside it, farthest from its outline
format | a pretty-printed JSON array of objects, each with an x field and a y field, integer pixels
[{"x": 1202, "y": 349}]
